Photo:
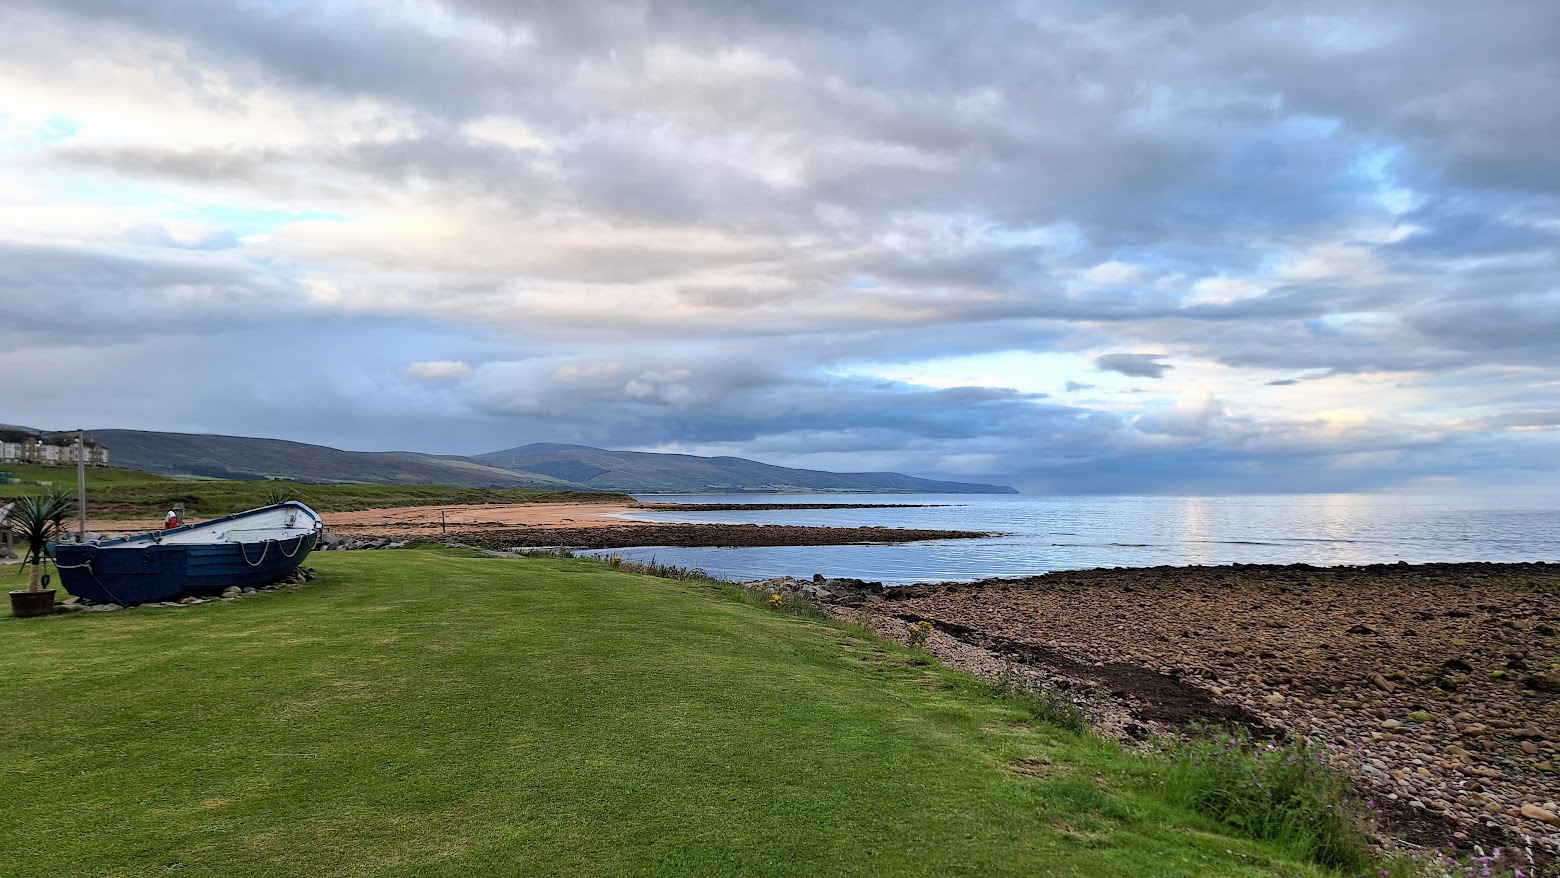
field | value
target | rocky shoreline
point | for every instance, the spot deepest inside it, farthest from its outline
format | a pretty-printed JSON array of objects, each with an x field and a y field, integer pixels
[{"x": 1436, "y": 686}]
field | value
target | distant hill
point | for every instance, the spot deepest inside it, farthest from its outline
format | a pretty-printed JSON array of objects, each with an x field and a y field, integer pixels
[
  {"x": 235, "y": 457},
  {"x": 542, "y": 466},
  {"x": 646, "y": 473}
]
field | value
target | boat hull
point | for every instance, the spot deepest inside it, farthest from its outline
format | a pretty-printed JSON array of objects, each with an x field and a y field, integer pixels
[
  {"x": 162, "y": 572},
  {"x": 249, "y": 548}
]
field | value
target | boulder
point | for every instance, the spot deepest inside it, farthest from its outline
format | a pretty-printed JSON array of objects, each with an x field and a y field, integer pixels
[
  {"x": 1534, "y": 812},
  {"x": 1548, "y": 681}
]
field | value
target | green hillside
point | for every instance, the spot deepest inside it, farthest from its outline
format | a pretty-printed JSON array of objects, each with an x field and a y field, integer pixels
[
  {"x": 645, "y": 473},
  {"x": 235, "y": 457},
  {"x": 116, "y": 493}
]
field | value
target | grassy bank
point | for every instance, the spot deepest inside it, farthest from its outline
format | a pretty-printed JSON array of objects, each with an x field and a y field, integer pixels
[
  {"x": 118, "y": 494},
  {"x": 431, "y": 713}
]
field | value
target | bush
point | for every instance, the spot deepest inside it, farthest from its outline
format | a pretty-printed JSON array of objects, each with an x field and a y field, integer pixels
[
  {"x": 1271, "y": 792},
  {"x": 1045, "y": 703}
]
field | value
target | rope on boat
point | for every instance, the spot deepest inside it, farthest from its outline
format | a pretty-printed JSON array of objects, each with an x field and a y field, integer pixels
[
  {"x": 90, "y": 572},
  {"x": 281, "y": 547},
  {"x": 245, "y": 553}
]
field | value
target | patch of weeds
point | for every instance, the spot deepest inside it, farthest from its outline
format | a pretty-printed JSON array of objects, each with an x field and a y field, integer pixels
[
  {"x": 1449, "y": 862},
  {"x": 917, "y": 633},
  {"x": 1271, "y": 792},
  {"x": 790, "y": 603},
  {"x": 664, "y": 571},
  {"x": 1042, "y": 701},
  {"x": 553, "y": 552},
  {"x": 862, "y": 618},
  {"x": 797, "y": 605}
]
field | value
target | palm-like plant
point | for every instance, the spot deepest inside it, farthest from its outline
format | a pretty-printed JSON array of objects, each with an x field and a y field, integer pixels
[{"x": 36, "y": 520}]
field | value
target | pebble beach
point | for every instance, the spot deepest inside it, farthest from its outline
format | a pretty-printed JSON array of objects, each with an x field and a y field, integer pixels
[{"x": 1436, "y": 686}]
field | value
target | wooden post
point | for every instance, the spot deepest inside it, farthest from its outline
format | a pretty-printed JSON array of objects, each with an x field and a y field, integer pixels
[
  {"x": 81, "y": 485},
  {"x": 442, "y": 526}
]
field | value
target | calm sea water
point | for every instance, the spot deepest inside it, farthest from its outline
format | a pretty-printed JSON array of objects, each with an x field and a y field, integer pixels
[{"x": 1067, "y": 533}]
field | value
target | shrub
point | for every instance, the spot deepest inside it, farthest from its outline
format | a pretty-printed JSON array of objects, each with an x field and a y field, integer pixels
[
  {"x": 1044, "y": 701},
  {"x": 1448, "y": 862},
  {"x": 37, "y": 519},
  {"x": 1271, "y": 792}
]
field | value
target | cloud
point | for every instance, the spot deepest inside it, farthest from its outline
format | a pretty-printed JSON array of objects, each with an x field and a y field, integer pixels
[
  {"x": 438, "y": 370},
  {"x": 685, "y": 225},
  {"x": 1194, "y": 413},
  {"x": 1134, "y": 365}
]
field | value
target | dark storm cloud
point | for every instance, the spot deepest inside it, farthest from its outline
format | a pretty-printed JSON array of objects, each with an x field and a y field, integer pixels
[{"x": 1134, "y": 365}]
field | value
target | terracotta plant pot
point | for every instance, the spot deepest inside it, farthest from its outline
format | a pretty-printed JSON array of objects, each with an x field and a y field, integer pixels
[{"x": 26, "y": 603}]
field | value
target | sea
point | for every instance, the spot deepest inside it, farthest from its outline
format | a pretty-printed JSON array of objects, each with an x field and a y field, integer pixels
[{"x": 1045, "y": 533}]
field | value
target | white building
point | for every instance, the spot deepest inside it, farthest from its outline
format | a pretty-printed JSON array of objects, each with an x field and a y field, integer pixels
[{"x": 20, "y": 446}]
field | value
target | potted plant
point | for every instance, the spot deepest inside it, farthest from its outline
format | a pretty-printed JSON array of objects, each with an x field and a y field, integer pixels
[{"x": 36, "y": 520}]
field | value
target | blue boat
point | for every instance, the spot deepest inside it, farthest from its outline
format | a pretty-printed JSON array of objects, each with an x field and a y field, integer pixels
[{"x": 251, "y": 548}]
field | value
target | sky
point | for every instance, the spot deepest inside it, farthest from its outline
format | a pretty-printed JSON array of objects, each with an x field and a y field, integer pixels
[{"x": 1218, "y": 246}]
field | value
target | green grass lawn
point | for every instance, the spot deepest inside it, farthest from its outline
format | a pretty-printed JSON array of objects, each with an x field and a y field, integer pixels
[
  {"x": 435, "y": 713},
  {"x": 120, "y": 493}
]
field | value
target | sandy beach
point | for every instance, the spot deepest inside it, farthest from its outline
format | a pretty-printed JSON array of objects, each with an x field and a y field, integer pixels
[
  {"x": 418, "y": 521},
  {"x": 579, "y": 525}
]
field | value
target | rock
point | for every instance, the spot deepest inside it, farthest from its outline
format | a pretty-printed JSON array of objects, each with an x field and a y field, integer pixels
[
  {"x": 1391, "y": 724},
  {"x": 251, "y": 590},
  {"x": 1548, "y": 681},
  {"x": 1273, "y": 698},
  {"x": 1529, "y": 748},
  {"x": 1361, "y": 629},
  {"x": 1533, "y": 812},
  {"x": 232, "y": 591},
  {"x": 1381, "y": 683}
]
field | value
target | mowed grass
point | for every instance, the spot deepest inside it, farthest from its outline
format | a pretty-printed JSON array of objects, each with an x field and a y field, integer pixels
[
  {"x": 437, "y": 713},
  {"x": 119, "y": 493}
]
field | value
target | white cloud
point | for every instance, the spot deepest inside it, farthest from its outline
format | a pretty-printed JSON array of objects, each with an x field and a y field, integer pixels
[{"x": 438, "y": 370}]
